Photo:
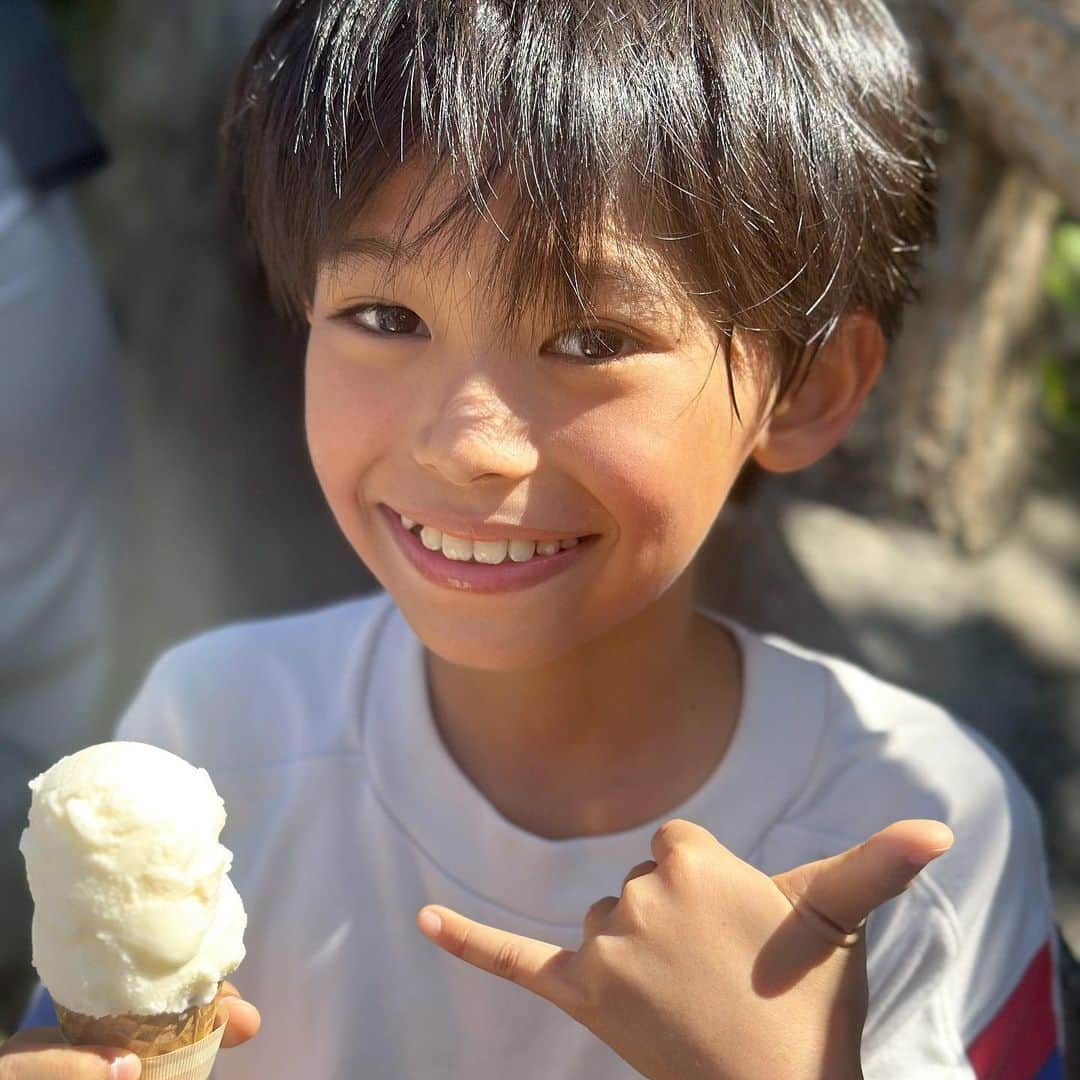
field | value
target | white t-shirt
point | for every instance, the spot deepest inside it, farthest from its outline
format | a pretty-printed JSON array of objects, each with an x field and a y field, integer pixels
[{"x": 346, "y": 815}]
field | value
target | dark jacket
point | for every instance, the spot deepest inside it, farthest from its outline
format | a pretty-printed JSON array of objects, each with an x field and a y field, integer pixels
[{"x": 42, "y": 122}]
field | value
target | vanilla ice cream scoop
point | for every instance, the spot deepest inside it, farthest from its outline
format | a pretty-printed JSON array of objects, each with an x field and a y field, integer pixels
[{"x": 134, "y": 911}]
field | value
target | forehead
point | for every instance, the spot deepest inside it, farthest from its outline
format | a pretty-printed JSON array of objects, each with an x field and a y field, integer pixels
[{"x": 388, "y": 234}]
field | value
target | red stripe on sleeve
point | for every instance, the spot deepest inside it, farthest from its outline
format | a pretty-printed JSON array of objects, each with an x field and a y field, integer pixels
[{"x": 1022, "y": 1033}]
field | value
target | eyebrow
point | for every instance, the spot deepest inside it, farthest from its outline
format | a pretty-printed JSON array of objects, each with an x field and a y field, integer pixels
[{"x": 616, "y": 278}]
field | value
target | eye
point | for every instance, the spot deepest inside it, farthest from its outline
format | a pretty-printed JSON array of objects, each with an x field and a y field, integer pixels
[
  {"x": 593, "y": 344},
  {"x": 388, "y": 320}
]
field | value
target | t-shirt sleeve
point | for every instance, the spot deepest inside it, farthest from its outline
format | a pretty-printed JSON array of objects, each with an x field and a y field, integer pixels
[
  {"x": 962, "y": 966},
  {"x": 156, "y": 713},
  {"x": 202, "y": 700},
  {"x": 250, "y": 694},
  {"x": 230, "y": 698},
  {"x": 1004, "y": 982},
  {"x": 977, "y": 931}
]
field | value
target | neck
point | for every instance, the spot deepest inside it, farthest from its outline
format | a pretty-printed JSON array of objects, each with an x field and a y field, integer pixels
[{"x": 608, "y": 735}]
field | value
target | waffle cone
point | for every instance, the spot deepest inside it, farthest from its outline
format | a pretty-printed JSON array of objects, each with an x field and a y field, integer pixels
[{"x": 145, "y": 1036}]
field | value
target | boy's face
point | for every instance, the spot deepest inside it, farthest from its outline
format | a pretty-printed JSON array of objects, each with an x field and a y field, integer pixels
[{"x": 418, "y": 407}]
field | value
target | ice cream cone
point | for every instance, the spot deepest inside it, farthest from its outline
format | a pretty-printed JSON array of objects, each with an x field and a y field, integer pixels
[
  {"x": 135, "y": 918},
  {"x": 146, "y": 1036}
]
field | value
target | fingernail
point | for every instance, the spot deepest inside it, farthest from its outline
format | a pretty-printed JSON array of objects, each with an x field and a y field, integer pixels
[
  {"x": 430, "y": 923},
  {"x": 126, "y": 1067}
]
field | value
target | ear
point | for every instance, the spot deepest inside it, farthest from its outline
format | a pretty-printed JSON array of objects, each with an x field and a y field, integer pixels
[{"x": 813, "y": 419}]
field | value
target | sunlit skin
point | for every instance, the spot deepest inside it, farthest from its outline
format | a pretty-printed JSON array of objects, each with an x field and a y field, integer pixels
[{"x": 598, "y": 699}]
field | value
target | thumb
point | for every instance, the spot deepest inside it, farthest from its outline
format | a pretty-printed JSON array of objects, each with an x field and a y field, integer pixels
[
  {"x": 535, "y": 965},
  {"x": 842, "y": 890},
  {"x": 35, "y": 1055}
]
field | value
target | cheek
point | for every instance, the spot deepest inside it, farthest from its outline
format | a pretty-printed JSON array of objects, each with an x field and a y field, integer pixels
[
  {"x": 662, "y": 468},
  {"x": 349, "y": 413}
]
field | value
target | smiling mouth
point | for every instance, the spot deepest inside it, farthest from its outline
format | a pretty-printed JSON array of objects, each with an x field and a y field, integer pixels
[{"x": 486, "y": 552}]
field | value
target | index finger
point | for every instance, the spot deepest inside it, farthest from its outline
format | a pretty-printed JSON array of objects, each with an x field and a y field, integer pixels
[
  {"x": 243, "y": 1018},
  {"x": 535, "y": 965}
]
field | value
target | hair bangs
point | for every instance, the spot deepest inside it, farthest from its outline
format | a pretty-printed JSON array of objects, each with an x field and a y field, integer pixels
[{"x": 770, "y": 154}]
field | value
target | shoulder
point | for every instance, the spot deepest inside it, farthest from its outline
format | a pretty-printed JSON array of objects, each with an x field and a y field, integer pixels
[
  {"x": 978, "y": 919},
  {"x": 258, "y": 690},
  {"x": 885, "y": 752},
  {"x": 307, "y": 639}
]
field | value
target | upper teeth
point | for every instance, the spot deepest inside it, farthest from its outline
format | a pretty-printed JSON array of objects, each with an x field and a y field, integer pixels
[{"x": 461, "y": 549}]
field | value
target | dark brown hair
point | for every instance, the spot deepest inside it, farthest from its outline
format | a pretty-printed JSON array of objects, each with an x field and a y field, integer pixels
[{"x": 772, "y": 151}]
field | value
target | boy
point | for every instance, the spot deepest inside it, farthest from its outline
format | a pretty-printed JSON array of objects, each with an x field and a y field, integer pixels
[{"x": 566, "y": 268}]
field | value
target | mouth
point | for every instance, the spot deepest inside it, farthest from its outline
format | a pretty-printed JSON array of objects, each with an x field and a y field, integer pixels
[{"x": 483, "y": 565}]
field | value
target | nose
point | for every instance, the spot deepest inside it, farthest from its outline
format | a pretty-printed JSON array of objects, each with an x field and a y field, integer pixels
[{"x": 473, "y": 434}]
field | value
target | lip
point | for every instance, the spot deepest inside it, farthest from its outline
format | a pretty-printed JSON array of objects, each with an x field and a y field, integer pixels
[{"x": 475, "y": 577}]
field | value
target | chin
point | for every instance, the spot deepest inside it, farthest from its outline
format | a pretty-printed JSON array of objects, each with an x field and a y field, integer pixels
[{"x": 485, "y": 645}]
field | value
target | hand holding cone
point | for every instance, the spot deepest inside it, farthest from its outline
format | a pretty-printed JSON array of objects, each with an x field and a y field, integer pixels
[{"x": 45, "y": 1054}]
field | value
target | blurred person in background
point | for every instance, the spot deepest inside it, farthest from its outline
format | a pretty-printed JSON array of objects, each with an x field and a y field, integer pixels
[{"x": 60, "y": 447}]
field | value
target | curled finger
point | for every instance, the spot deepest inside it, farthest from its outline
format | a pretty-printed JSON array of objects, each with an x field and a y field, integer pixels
[
  {"x": 642, "y": 868},
  {"x": 242, "y": 1021},
  {"x": 598, "y": 915}
]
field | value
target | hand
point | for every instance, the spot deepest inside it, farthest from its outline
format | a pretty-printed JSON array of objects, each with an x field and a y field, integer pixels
[
  {"x": 42, "y": 1053},
  {"x": 704, "y": 967}
]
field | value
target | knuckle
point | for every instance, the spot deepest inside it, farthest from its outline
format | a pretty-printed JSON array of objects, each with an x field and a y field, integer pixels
[
  {"x": 826, "y": 929},
  {"x": 459, "y": 944},
  {"x": 507, "y": 961},
  {"x": 683, "y": 863},
  {"x": 675, "y": 836},
  {"x": 669, "y": 832},
  {"x": 791, "y": 886},
  {"x": 683, "y": 831}
]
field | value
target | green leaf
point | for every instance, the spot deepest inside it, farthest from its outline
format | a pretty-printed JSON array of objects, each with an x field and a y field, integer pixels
[{"x": 1062, "y": 278}]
